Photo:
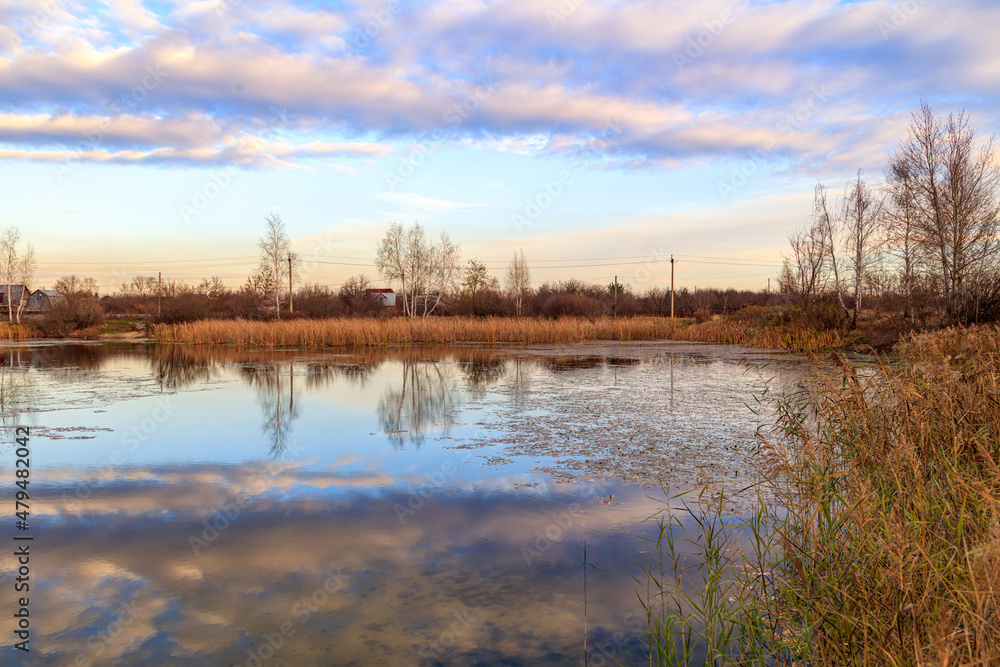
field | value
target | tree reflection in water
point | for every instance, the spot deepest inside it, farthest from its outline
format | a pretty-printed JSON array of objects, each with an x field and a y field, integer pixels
[
  {"x": 424, "y": 400},
  {"x": 15, "y": 390},
  {"x": 518, "y": 374},
  {"x": 275, "y": 385},
  {"x": 482, "y": 371}
]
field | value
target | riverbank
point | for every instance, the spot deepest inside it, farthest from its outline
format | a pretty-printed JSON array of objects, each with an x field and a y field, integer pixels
[{"x": 886, "y": 546}]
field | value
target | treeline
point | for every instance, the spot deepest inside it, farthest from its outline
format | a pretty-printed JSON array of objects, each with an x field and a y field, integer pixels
[
  {"x": 926, "y": 237},
  {"x": 923, "y": 243},
  {"x": 211, "y": 299}
]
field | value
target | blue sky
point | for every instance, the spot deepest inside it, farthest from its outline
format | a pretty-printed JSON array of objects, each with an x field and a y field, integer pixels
[{"x": 598, "y": 136}]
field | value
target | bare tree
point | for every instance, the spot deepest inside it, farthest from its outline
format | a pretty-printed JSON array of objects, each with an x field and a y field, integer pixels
[
  {"x": 76, "y": 285},
  {"x": 17, "y": 267},
  {"x": 275, "y": 249},
  {"x": 442, "y": 272},
  {"x": 423, "y": 271},
  {"x": 901, "y": 230},
  {"x": 954, "y": 189},
  {"x": 518, "y": 280},
  {"x": 658, "y": 299},
  {"x": 477, "y": 278},
  {"x": 212, "y": 287},
  {"x": 861, "y": 216},
  {"x": 830, "y": 227},
  {"x": 807, "y": 266},
  {"x": 140, "y": 286}
]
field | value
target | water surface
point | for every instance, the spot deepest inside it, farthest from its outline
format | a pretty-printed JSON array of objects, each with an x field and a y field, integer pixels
[{"x": 410, "y": 506}]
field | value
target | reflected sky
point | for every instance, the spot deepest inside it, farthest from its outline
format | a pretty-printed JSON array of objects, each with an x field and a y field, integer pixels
[{"x": 414, "y": 506}]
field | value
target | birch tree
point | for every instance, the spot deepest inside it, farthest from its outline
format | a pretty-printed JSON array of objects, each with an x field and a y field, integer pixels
[
  {"x": 275, "y": 248},
  {"x": 17, "y": 267},
  {"x": 518, "y": 280},
  {"x": 423, "y": 271},
  {"x": 861, "y": 219},
  {"x": 828, "y": 225},
  {"x": 901, "y": 231}
]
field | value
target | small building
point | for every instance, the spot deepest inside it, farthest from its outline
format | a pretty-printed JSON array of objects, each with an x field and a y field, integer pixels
[
  {"x": 42, "y": 300},
  {"x": 384, "y": 296},
  {"x": 17, "y": 293}
]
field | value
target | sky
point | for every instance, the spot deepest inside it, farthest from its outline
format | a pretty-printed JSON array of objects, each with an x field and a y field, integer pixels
[{"x": 601, "y": 137}]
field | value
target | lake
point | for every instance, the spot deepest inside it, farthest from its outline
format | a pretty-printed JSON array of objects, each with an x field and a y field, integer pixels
[{"x": 420, "y": 506}]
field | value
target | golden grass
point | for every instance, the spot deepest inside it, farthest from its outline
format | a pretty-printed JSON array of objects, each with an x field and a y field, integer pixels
[
  {"x": 17, "y": 332},
  {"x": 891, "y": 545},
  {"x": 382, "y": 332},
  {"x": 886, "y": 546}
]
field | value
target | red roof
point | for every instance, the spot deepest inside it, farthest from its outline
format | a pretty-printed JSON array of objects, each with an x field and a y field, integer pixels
[{"x": 378, "y": 291}]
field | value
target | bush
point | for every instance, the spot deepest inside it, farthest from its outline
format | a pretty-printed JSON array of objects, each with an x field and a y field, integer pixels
[
  {"x": 487, "y": 303},
  {"x": 185, "y": 307},
  {"x": 78, "y": 311},
  {"x": 571, "y": 305}
]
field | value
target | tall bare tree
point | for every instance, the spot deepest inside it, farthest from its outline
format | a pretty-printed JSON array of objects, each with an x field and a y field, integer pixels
[
  {"x": 861, "y": 218},
  {"x": 954, "y": 188},
  {"x": 829, "y": 226},
  {"x": 902, "y": 241},
  {"x": 442, "y": 272},
  {"x": 17, "y": 267},
  {"x": 275, "y": 249},
  {"x": 518, "y": 280},
  {"x": 424, "y": 272}
]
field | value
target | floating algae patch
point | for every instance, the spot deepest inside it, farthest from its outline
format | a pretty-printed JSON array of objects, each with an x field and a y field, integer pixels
[{"x": 639, "y": 413}]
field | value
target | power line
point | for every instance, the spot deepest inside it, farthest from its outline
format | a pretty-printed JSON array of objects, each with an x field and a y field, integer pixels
[{"x": 156, "y": 262}]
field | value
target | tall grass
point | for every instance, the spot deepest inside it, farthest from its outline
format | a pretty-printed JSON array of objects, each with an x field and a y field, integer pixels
[
  {"x": 381, "y": 332},
  {"x": 16, "y": 332},
  {"x": 883, "y": 547}
]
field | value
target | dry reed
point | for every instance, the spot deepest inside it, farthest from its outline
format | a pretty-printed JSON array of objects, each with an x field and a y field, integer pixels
[
  {"x": 17, "y": 332},
  {"x": 886, "y": 546},
  {"x": 382, "y": 332}
]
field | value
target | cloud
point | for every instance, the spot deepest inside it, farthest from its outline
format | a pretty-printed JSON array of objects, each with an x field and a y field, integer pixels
[
  {"x": 681, "y": 81},
  {"x": 412, "y": 201}
]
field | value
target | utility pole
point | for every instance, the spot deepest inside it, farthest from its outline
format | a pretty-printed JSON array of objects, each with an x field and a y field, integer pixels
[
  {"x": 769, "y": 286},
  {"x": 159, "y": 291},
  {"x": 290, "y": 309},
  {"x": 671, "y": 287},
  {"x": 616, "y": 296}
]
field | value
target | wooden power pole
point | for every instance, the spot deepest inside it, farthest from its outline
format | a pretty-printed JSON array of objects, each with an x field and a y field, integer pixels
[
  {"x": 671, "y": 287},
  {"x": 290, "y": 308},
  {"x": 616, "y": 296},
  {"x": 159, "y": 291}
]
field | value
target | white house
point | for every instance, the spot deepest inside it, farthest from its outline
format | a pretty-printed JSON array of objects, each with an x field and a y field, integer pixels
[{"x": 385, "y": 296}]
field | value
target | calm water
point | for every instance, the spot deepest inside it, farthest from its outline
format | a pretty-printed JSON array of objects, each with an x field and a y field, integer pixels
[{"x": 409, "y": 507}]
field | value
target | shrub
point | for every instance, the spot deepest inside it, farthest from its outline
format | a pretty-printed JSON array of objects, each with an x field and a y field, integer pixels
[
  {"x": 185, "y": 307},
  {"x": 78, "y": 311}
]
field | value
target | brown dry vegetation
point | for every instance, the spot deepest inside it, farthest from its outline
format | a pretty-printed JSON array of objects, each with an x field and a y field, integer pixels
[
  {"x": 887, "y": 548},
  {"x": 17, "y": 332},
  {"x": 381, "y": 332},
  {"x": 893, "y": 542}
]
